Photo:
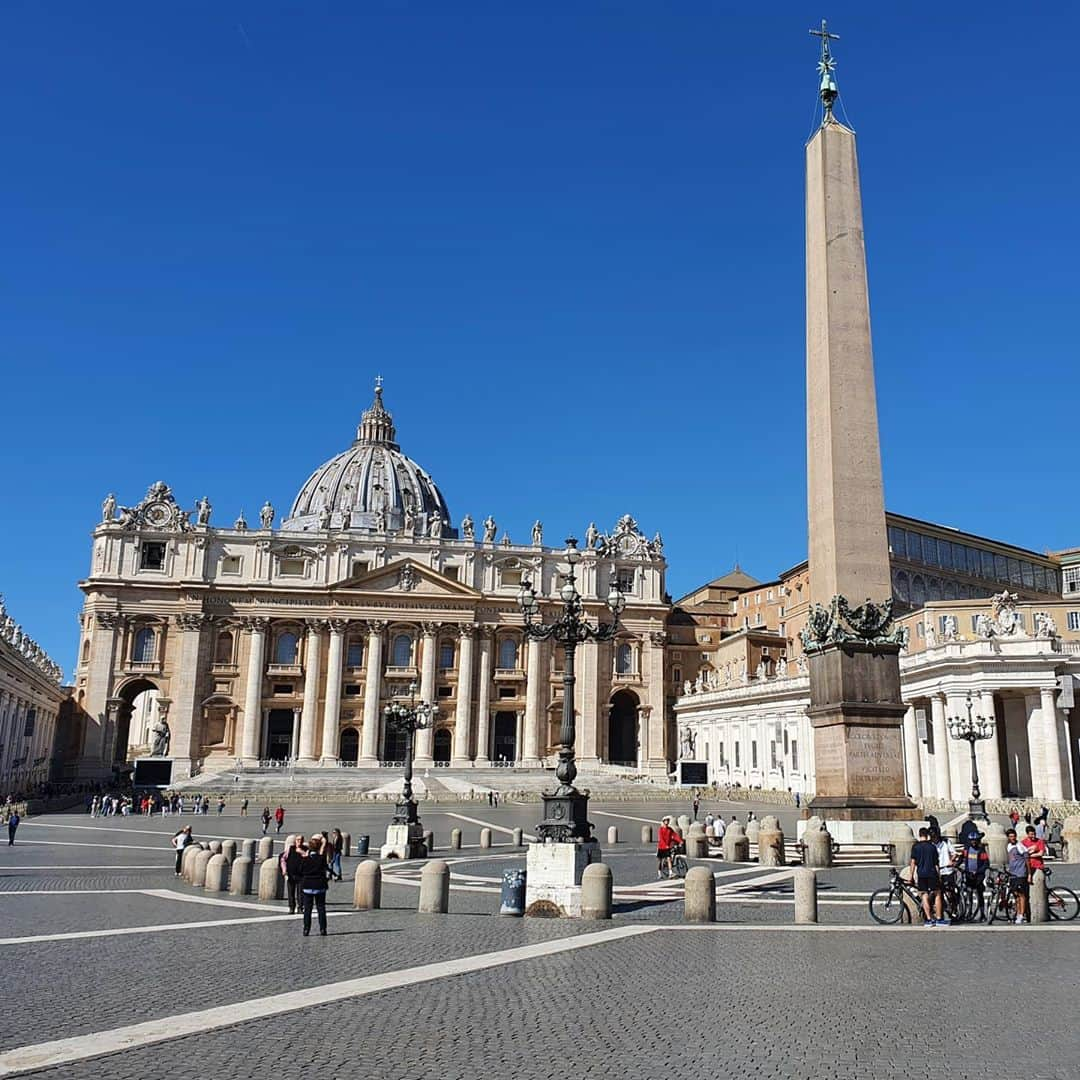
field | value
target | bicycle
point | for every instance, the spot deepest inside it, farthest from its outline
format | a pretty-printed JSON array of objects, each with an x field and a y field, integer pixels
[
  {"x": 889, "y": 906},
  {"x": 1061, "y": 902},
  {"x": 1000, "y": 897},
  {"x": 679, "y": 865}
]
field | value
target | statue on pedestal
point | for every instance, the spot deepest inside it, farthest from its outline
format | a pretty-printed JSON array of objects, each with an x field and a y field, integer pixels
[
  {"x": 435, "y": 528},
  {"x": 468, "y": 530},
  {"x": 591, "y": 536},
  {"x": 162, "y": 738},
  {"x": 490, "y": 529},
  {"x": 202, "y": 511},
  {"x": 108, "y": 507},
  {"x": 538, "y": 533},
  {"x": 266, "y": 515}
]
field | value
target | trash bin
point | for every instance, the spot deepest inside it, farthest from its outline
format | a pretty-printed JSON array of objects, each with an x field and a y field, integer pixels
[
  {"x": 362, "y": 843},
  {"x": 512, "y": 900}
]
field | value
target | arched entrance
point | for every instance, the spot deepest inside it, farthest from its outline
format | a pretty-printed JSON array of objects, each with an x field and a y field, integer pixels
[
  {"x": 622, "y": 729},
  {"x": 138, "y": 701},
  {"x": 349, "y": 745},
  {"x": 504, "y": 746},
  {"x": 279, "y": 734},
  {"x": 441, "y": 752}
]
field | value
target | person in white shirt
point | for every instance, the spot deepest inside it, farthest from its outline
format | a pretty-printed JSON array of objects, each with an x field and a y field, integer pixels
[
  {"x": 946, "y": 869},
  {"x": 719, "y": 828}
]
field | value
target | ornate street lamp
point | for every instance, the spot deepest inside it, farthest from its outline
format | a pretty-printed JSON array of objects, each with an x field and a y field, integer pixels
[
  {"x": 566, "y": 809},
  {"x": 409, "y": 718},
  {"x": 973, "y": 729}
]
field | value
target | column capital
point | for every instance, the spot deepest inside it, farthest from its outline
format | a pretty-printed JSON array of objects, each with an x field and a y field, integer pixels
[
  {"x": 338, "y": 626},
  {"x": 376, "y": 627},
  {"x": 316, "y": 626},
  {"x": 193, "y": 620},
  {"x": 255, "y": 624},
  {"x": 110, "y": 620},
  {"x": 467, "y": 630},
  {"x": 430, "y": 629}
]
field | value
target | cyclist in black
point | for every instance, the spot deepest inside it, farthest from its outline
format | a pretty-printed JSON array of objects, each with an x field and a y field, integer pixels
[
  {"x": 927, "y": 878},
  {"x": 974, "y": 862}
]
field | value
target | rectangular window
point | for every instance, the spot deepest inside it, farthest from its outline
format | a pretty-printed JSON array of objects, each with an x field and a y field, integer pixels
[
  {"x": 764, "y": 650},
  {"x": 283, "y": 688},
  {"x": 1071, "y": 577},
  {"x": 152, "y": 556},
  {"x": 941, "y": 623},
  {"x": 972, "y": 561},
  {"x": 737, "y": 755},
  {"x": 354, "y": 655},
  {"x": 1040, "y": 578},
  {"x": 231, "y": 564},
  {"x": 1027, "y": 573},
  {"x": 920, "y": 630},
  {"x": 1001, "y": 568},
  {"x": 676, "y": 674},
  {"x": 986, "y": 561},
  {"x": 770, "y": 594},
  {"x": 451, "y": 572},
  {"x": 721, "y": 748},
  {"x": 772, "y": 756},
  {"x": 352, "y": 689},
  {"x": 31, "y": 721},
  {"x": 446, "y": 655},
  {"x": 507, "y": 691},
  {"x": 359, "y": 566},
  {"x": 626, "y": 581},
  {"x": 291, "y": 567},
  {"x": 1014, "y": 572},
  {"x": 753, "y": 753},
  {"x": 929, "y": 550},
  {"x": 974, "y": 623},
  {"x": 914, "y": 545},
  {"x": 445, "y": 691},
  {"x": 1072, "y": 620},
  {"x": 794, "y": 755}
]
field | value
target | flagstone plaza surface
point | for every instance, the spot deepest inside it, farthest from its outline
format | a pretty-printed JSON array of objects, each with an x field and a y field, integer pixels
[{"x": 114, "y": 968}]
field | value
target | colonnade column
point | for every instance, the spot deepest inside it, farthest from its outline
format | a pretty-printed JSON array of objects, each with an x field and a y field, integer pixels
[
  {"x": 530, "y": 755},
  {"x": 332, "y": 708},
  {"x": 186, "y": 738},
  {"x": 942, "y": 783},
  {"x": 1033, "y": 726},
  {"x": 294, "y": 742},
  {"x": 1053, "y": 785},
  {"x": 256, "y": 626},
  {"x": 588, "y": 721},
  {"x": 959, "y": 754},
  {"x": 653, "y": 663},
  {"x": 312, "y": 671},
  {"x": 912, "y": 768},
  {"x": 463, "y": 713},
  {"x": 369, "y": 738},
  {"x": 483, "y": 702},
  {"x": 425, "y": 738},
  {"x": 987, "y": 751}
]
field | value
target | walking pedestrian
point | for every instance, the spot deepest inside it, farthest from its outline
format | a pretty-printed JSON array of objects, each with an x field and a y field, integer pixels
[
  {"x": 314, "y": 877},
  {"x": 695, "y": 805},
  {"x": 265, "y": 819},
  {"x": 244, "y": 808},
  {"x": 220, "y": 806},
  {"x": 12, "y": 825},
  {"x": 279, "y": 816},
  {"x": 337, "y": 847},
  {"x": 180, "y": 841}
]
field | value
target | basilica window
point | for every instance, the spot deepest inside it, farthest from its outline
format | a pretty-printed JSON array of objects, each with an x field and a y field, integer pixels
[
  {"x": 86, "y": 650},
  {"x": 354, "y": 654},
  {"x": 1071, "y": 578},
  {"x": 223, "y": 648},
  {"x": 508, "y": 654},
  {"x": 676, "y": 675},
  {"x": 292, "y": 567},
  {"x": 1072, "y": 620},
  {"x": 152, "y": 556},
  {"x": 626, "y": 579},
  {"x": 401, "y": 651},
  {"x": 446, "y": 655},
  {"x": 144, "y": 648},
  {"x": 286, "y": 648},
  {"x": 624, "y": 659},
  {"x": 231, "y": 564}
]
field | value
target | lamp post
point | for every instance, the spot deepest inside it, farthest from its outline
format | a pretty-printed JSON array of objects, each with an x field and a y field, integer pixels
[
  {"x": 566, "y": 808},
  {"x": 409, "y": 718},
  {"x": 973, "y": 729}
]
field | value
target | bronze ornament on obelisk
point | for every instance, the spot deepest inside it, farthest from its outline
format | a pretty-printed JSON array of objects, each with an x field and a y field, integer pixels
[{"x": 851, "y": 643}]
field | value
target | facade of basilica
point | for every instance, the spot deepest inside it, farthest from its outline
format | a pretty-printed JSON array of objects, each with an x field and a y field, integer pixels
[{"x": 217, "y": 646}]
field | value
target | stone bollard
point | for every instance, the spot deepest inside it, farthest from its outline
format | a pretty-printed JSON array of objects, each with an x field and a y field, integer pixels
[
  {"x": 699, "y": 905},
  {"x": 215, "y": 847},
  {"x": 485, "y": 838},
  {"x": 697, "y": 843},
  {"x": 770, "y": 849},
  {"x": 435, "y": 888},
  {"x": 217, "y": 873},
  {"x": 1070, "y": 840},
  {"x": 429, "y": 841},
  {"x": 188, "y": 861},
  {"x": 455, "y": 839},
  {"x": 518, "y": 837},
  {"x": 753, "y": 830},
  {"x": 198, "y": 868},
  {"x": 271, "y": 883},
  {"x": 367, "y": 886},
  {"x": 736, "y": 845},
  {"x": 817, "y": 848},
  {"x": 683, "y": 821},
  {"x": 346, "y": 845},
  {"x": 289, "y": 841},
  {"x": 613, "y": 834},
  {"x": 266, "y": 848},
  {"x": 996, "y": 844},
  {"x": 240, "y": 878},
  {"x": 247, "y": 849},
  {"x": 1038, "y": 905},
  {"x": 596, "y": 885},
  {"x": 805, "y": 896},
  {"x": 901, "y": 838},
  {"x": 228, "y": 849},
  {"x": 646, "y": 834}
]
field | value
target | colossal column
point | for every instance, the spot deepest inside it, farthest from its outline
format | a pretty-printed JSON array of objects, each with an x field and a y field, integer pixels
[
  {"x": 853, "y": 649},
  {"x": 256, "y": 628},
  {"x": 1053, "y": 784},
  {"x": 912, "y": 767},
  {"x": 186, "y": 739},
  {"x": 99, "y": 683},
  {"x": 312, "y": 672},
  {"x": 534, "y": 676},
  {"x": 987, "y": 752},
  {"x": 483, "y": 702},
  {"x": 369, "y": 739},
  {"x": 653, "y": 730},
  {"x": 332, "y": 708},
  {"x": 463, "y": 713},
  {"x": 588, "y": 726},
  {"x": 426, "y": 736}
]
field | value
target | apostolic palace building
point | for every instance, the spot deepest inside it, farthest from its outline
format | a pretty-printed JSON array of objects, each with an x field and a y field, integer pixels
[{"x": 271, "y": 642}]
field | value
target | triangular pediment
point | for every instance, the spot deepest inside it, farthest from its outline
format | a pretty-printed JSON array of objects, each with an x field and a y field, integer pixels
[{"x": 408, "y": 578}]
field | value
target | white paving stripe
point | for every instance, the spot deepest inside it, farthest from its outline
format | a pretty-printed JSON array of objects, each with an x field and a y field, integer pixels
[
  {"x": 488, "y": 825},
  {"x": 186, "y": 898},
  {"x": 162, "y": 847},
  {"x": 81, "y": 1047},
  {"x": 14, "y": 871}
]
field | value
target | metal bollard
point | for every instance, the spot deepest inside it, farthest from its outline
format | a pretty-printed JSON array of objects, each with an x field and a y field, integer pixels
[
  {"x": 1038, "y": 902},
  {"x": 240, "y": 878},
  {"x": 485, "y": 838},
  {"x": 362, "y": 844},
  {"x": 512, "y": 897},
  {"x": 596, "y": 884},
  {"x": 517, "y": 837},
  {"x": 805, "y": 896},
  {"x": 613, "y": 834},
  {"x": 455, "y": 839},
  {"x": 646, "y": 834},
  {"x": 367, "y": 886},
  {"x": 699, "y": 904},
  {"x": 435, "y": 888}
]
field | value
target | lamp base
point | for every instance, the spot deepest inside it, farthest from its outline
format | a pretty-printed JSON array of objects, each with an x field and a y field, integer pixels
[{"x": 566, "y": 816}]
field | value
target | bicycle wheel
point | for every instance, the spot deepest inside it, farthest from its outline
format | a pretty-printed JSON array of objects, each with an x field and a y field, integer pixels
[
  {"x": 679, "y": 865},
  {"x": 1062, "y": 903},
  {"x": 955, "y": 903},
  {"x": 995, "y": 905},
  {"x": 886, "y": 906}
]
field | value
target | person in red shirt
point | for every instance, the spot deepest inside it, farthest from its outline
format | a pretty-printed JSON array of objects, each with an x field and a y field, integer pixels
[
  {"x": 279, "y": 816},
  {"x": 666, "y": 840},
  {"x": 1036, "y": 850}
]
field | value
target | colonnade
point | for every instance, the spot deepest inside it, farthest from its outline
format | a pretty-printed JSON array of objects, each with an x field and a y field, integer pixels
[{"x": 31, "y": 752}]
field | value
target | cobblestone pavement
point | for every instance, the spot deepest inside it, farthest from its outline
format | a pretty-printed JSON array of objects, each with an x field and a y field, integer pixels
[{"x": 756, "y": 997}]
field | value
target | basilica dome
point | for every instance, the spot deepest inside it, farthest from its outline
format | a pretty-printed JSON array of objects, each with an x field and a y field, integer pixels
[{"x": 372, "y": 485}]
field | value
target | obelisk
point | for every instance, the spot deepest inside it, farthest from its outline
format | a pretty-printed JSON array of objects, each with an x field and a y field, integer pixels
[{"x": 851, "y": 643}]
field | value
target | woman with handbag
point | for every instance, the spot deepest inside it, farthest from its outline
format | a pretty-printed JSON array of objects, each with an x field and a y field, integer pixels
[{"x": 337, "y": 847}]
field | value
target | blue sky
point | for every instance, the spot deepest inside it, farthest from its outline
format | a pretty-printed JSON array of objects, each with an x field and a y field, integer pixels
[{"x": 571, "y": 240}]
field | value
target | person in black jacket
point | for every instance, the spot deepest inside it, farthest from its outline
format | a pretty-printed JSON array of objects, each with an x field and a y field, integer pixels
[
  {"x": 293, "y": 864},
  {"x": 314, "y": 876}
]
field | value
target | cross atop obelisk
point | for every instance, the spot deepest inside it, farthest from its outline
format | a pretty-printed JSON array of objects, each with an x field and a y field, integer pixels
[{"x": 826, "y": 66}]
